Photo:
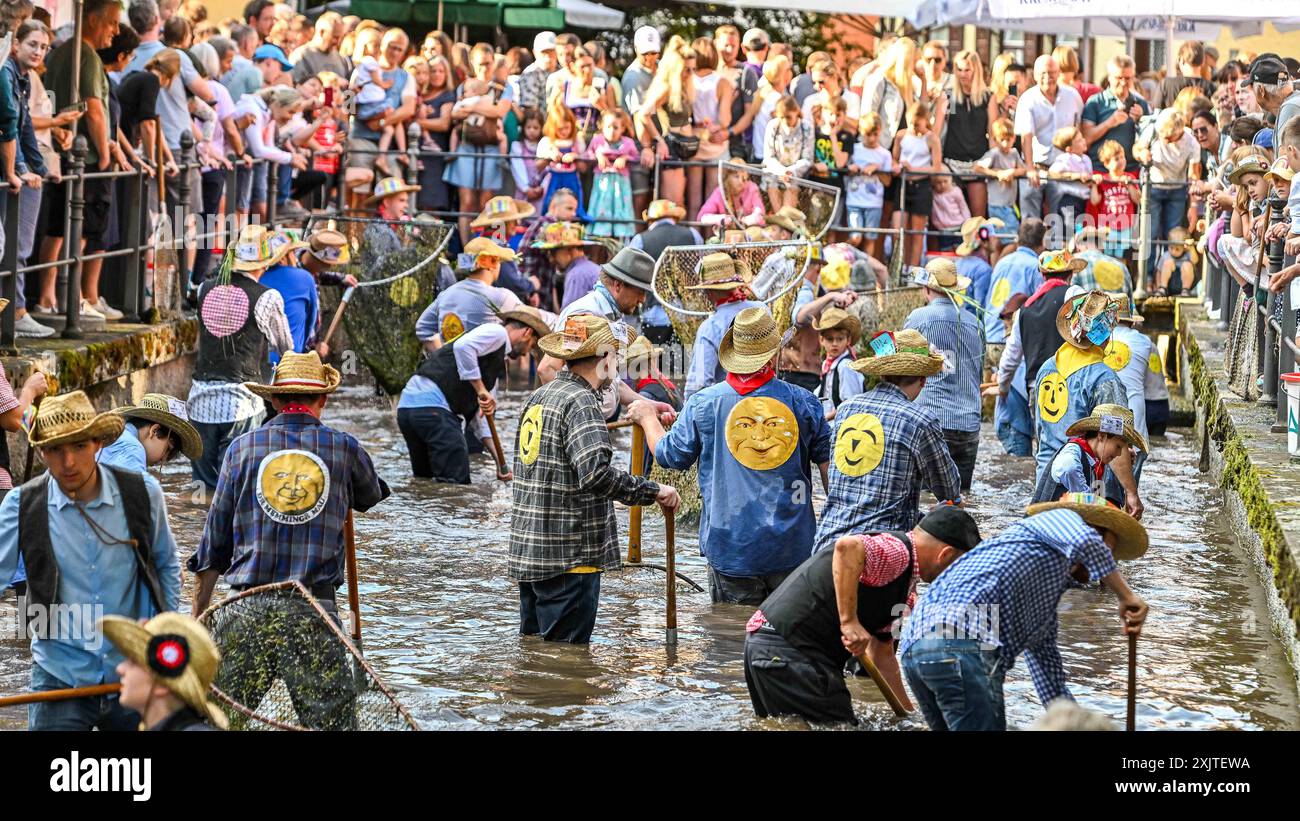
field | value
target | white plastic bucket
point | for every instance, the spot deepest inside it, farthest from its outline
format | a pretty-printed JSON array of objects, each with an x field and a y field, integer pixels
[{"x": 1291, "y": 384}]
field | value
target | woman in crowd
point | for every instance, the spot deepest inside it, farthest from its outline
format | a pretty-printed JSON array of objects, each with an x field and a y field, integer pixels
[
  {"x": 889, "y": 92},
  {"x": 30, "y": 44},
  {"x": 711, "y": 114},
  {"x": 478, "y": 170},
  {"x": 435, "y": 97},
  {"x": 1175, "y": 160},
  {"x": 967, "y": 140},
  {"x": 664, "y": 120}
]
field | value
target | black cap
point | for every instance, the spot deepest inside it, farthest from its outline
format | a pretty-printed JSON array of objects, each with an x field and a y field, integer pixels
[
  {"x": 1267, "y": 69},
  {"x": 952, "y": 526}
]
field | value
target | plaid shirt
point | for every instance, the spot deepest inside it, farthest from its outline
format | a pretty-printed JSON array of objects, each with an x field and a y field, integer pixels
[
  {"x": 532, "y": 87},
  {"x": 1005, "y": 593},
  {"x": 886, "y": 497},
  {"x": 242, "y": 540},
  {"x": 562, "y": 514}
]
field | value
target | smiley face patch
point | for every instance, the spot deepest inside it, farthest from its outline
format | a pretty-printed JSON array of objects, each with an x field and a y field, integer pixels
[
  {"x": 859, "y": 444},
  {"x": 1053, "y": 397},
  {"x": 292, "y": 486},
  {"x": 530, "y": 434},
  {"x": 1118, "y": 356},
  {"x": 1001, "y": 293},
  {"x": 451, "y": 328},
  {"x": 404, "y": 292},
  {"x": 761, "y": 432}
]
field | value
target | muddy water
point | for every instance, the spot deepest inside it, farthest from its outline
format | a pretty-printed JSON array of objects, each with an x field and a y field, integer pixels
[{"x": 440, "y": 617}]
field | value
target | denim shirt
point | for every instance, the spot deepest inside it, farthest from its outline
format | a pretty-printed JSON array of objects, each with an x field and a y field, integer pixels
[
  {"x": 392, "y": 99},
  {"x": 953, "y": 393},
  {"x": 13, "y": 116}
]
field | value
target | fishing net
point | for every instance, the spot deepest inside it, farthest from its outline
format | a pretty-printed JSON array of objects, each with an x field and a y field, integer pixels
[
  {"x": 1241, "y": 350},
  {"x": 819, "y": 203},
  {"x": 396, "y": 266},
  {"x": 286, "y": 665}
]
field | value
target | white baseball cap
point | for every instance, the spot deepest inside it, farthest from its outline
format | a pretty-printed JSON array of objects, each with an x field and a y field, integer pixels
[
  {"x": 545, "y": 41},
  {"x": 756, "y": 39},
  {"x": 646, "y": 39}
]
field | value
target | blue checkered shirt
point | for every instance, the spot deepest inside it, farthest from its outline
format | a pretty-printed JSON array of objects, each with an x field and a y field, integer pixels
[
  {"x": 241, "y": 541},
  {"x": 954, "y": 393},
  {"x": 915, "y": 455},
  {"x": 1005, "y": 593}
]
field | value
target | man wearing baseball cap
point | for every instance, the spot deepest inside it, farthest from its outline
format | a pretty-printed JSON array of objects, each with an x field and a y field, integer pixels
[
  {"x": 636, "y": 80},
  {"x": 840, "y": 604},
  {"x": 532, "y": 82},
  {"x": 1274, "y": 88},
  {"x": 756, "y": 44}
]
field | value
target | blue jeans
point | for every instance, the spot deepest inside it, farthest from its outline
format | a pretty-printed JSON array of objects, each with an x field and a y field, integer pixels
[
  {"x": 957, "y": 684},
  {"x": 1007, "y": 214},
  {"x": 1168, "y": 205},
  {"x": 76, "y": 714},
  {"x": 561, "y": 608},
  {"x": 216, "y": 437}
]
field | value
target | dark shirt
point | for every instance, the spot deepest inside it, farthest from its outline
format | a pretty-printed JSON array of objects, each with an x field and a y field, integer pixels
[
  {"x": 183, "y": 720},
  {"x": 138, "y": 95},
  {"x": 1169, "y": 88}
]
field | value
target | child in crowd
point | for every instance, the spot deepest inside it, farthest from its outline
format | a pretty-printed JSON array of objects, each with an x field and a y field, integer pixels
[
  {"x": 839, "y": 331},
  {"x": 787, "y": 153},
  {"x": 530, "y": 180},
  {"x": 1239, "y": 249},
  {"x": 1178, "y": 257},
  {"x": 737, "y": 203},
  {"x": 1095, "y": 441},
  {"x": 1112, "y": 202},
  {"x": 916, "y": 148},
  {"x": 949, "y": 212},
  {"x": 1005, "y": 165},
  {"x": 829, "y": 154},
  {"x": 559, "y": 151},
  {"x": 611, "y": 197},
  {"x": 1072, "y": 170},
  {"x": 371, "y": 89},
  {"x": 864, "y": 185}
]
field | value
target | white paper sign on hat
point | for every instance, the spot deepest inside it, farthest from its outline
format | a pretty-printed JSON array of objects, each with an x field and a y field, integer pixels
[{"x": 1113, "y": 425}]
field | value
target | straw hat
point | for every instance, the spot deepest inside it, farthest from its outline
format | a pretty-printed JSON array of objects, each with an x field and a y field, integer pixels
[
  {"x": 390, "y": 187},
  {"x": 750, "y": 342},
  {"x": 1080, "y": 312},
  {"x": 1249, "y": 164},
  {"x": 1130, "y": 536},
  {"x": 486, "y": 246},
  {"x": 281, "y": 244},
  {"x": 719, "y": 271},
  {"x": 1113, "y": 419},
  {"x": 940, "y": 273},
  {"x": 169, "y": 412},
  {"x": 661, "y": 209},
  {"x": 789, "y": 218},
  {"x": 4, "y": 303},
  {"x": 1060, "y": 262},
  {"x": 834, "y": 317},
  {"x": 299, "y": 374},
  {"x": 586, "y": 335},
  {"x": 562, "y": 235},
  {"x": 970, "y": 233},
  {"x": 905, "y": 353},
  {"x": 253, "y": 251},
  {"x": 177, "y": 650},
  {"x": 1280, "y": 170},
  {"x": 529, "y": 316},
  {"x": 330, "y": 247},
  {"x": 61, "y": 420},
  {"x": 1127, "y": 308},
  {"x": 642, "y": 349},
  {"x": 503, "y": 209}
]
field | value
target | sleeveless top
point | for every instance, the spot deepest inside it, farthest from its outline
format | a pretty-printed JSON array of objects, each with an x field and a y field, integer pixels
[
  {"x": 706, "y": 103},
  {"x": 968, "y": 128},
  {"x": 915, "y": 150}
]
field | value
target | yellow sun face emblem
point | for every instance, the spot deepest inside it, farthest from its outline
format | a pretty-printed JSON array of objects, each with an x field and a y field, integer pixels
[
  {"x": 292, "y": 486},
  {"x": 859, "y": 444},
  {"x": 1118, "y": 356},
  {"x": 1001, "y": 293},
  {"x": 1156, "y": 364},
  {"x": 1053, "y": 397},
  {"x": 530, "y": 434},
  {"x": 405, "y": 292},
  {"x": 1109, "y": 275},
  {"x": 451, "y": 327},
  {"x": 761, "y": 432}
]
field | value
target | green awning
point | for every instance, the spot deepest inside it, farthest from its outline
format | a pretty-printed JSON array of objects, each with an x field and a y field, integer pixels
[{"x": 521, "y": 14}]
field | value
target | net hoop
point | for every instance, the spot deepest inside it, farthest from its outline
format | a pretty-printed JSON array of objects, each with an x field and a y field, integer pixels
[{"x": 670, "y": 292}]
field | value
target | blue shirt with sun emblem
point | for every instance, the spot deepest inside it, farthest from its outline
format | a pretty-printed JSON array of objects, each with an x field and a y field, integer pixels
[
  {"x": 885, "y": 450},
  {"x": 1070, "y": 384},
  {"x": 755, "y": 454}
]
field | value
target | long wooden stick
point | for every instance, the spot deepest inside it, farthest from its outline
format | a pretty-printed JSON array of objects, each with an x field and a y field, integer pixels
[
  {"x": 60, "y": 695},
  {"x": 1132, "y": 682},
  {"x": 338, "y": 315},
  {"x": 885, "y": 689},
  {"x": 670, "y": 562},
  {"x": 502, "y": 470},
  {"x": 31, "y": 450},
  {"x": 634, "y": 515},
  {"x": 354, "y": 596}
]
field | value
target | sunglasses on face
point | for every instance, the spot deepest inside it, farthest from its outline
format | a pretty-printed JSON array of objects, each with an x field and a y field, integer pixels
[
  {"x": 1201, "y": 131},
  {"x": 935, "y": 59}
]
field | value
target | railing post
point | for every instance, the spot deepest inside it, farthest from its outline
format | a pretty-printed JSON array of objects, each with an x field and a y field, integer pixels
[
  {"x": 10, "y": 291},
  {"x": 272, "y": 191},
  {"x": 133, "y": 237},
  {"x": 413, "y": 135},
  {"x": 1268, "y": 369},
  {"x": 1227, "y": 291},
  {"x": 1144, "y": 251},
  {"x": 230, "y": 214},
  {"x": 72, "y": 246}
]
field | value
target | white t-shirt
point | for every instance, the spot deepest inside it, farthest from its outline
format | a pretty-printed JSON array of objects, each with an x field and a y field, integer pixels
[
  {"x": 853, "y": 101},
  {"x": 860, "y": 190},
  {"x": 1037, "y": 115},
  {"x": 1171, "y": 162}
]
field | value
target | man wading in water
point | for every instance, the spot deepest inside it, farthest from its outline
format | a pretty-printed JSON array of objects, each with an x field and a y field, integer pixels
[{"x": 562, "y": 528}]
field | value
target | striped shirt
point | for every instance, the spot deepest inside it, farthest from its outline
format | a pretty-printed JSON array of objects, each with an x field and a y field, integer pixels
[
  {"x": 1005, "y": 593},
  {"x": 562, "y": 511},
  {"x": 954, "y": 393}
]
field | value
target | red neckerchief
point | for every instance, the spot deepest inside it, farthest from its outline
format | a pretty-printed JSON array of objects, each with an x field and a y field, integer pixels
[
  {"x": 831, "y": 360},
  {"x": 750, "y": 382},
  {"x": 294, "y": 407},
  {"x": 1052, "y": 282},
  {"x": 653, "y": 380},
  {"x": 738, "y": 295},
  {"x": 1097, "y": 467}
]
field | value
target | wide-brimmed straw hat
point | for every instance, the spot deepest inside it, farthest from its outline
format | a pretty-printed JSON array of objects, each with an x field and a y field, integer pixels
[
  {"x": 1249, "y": 164},
  {"x": 1060, "y": 262},
  {"x": 486, "y": 246},
  {"x": 661, "y": 209},
  {"x": 1131, "y": 539},
  {"x": 1127, "y": 308},
  {"x": 169, "y": 412},
  {"x": 970, "y": 233},
  {"x": 253, "y": 249},
  {"x": 1116, "y": 420},
  {"x": 529, "y": 316},
  {"x": 834, "y": 317},
  {"x": 586, "y": 335},
  {"x": 750, "y": 342},
  {"x": 62, "y": 420},
  {"x": 940, "y": 274},
  {"x": 1078, "y": 313},
  {"x": 299, "y": 374},
  {"x": 390, "y": 187},
  {"x": 281, "y": 244},
  {"x": 905, "y": 353},
  {"x": 720, "y": 271},
  {"x": 178, "y": 651},
  {"x": 642, "y": 349},
  {"x": 329, "y": 246},
  {"x": 789, "y": 218},
  {"x": 562, "y": 235},
  {"x": 503, "y": 209}
]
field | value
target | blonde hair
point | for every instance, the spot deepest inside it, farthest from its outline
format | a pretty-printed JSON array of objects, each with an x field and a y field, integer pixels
[
  {"x": 672, "y": 77},
  {"x": 166, "y": 62},
  {"x": 1002, "y": 128},
  {"x": 998, "y": 76},
  {"x": 1066, "y": 59},
  {"x": 1171, "y": 123},
  {"x": 280, "y": 96},
  {"x": 868, "y": 124},
  {"x": 1110, "y": 149},
  {"x": 898, "y": 64},
  {"x": 1064, "y": 137},
  {"x": 979, "y": 90}
]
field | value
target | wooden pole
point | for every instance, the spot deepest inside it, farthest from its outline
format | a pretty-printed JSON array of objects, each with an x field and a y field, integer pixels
[
  {"x": 634, "y": 515},
  {"x": 670, "y": 562},
  {"x": 885, "y": 689},
  {"x": 31, "y": 449},
  {"x": 1132, "y": 682},
  {"x": 338, "y": 315},
  {"x": 354, "y": 596},
  {"x": 502, "y": 470},
  {"x": 60, "y": 695}
]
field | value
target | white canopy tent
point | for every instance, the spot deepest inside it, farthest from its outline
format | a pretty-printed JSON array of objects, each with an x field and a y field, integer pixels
[{"x": 585, "y": 14}]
